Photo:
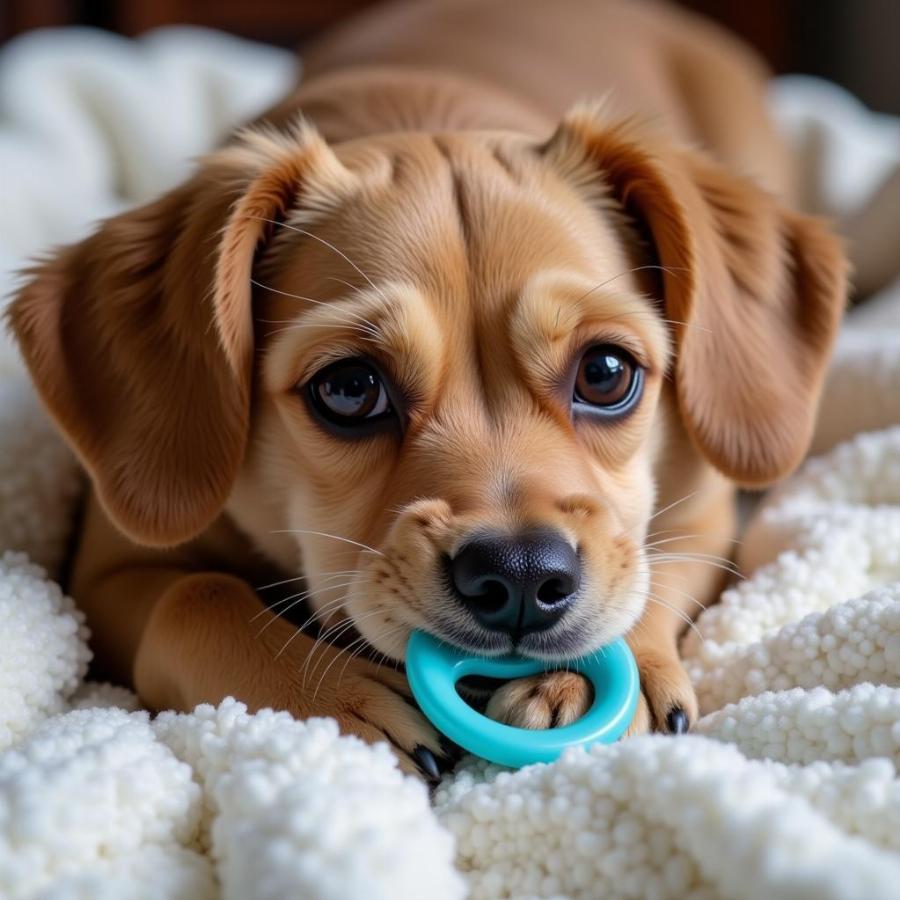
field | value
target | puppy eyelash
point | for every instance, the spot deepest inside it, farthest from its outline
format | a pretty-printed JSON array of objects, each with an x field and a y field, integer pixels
[
  {"x": 559, "y": 380},
  {"x": 332, "y": 354},
  {"x": 623, "y": 339}
]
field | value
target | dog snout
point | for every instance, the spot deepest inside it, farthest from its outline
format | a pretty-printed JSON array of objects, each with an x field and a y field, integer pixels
[{"x": 516, "y": 584}]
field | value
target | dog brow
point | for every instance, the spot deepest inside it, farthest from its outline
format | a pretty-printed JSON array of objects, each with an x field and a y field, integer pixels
[
  {"x": 459, "y": 195},
  {"x": 551, "y": 309}
]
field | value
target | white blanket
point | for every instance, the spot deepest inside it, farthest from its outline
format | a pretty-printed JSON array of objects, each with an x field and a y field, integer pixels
[{"x": 788, "y": 789}]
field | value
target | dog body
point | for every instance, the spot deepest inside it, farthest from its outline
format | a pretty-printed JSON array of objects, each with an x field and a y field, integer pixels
[
  {"x": 459, "y": 365},
  {"x": 523, "y": 65}
]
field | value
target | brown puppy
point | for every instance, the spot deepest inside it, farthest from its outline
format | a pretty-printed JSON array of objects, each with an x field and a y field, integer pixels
[{"x": 464, "y": 367}]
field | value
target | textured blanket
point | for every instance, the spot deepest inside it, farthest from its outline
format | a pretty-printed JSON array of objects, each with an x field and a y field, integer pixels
[{"x": 787, "y": 789}]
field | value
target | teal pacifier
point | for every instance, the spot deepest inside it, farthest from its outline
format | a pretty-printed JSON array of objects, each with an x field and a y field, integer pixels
[{"x": 434, "y": 667}]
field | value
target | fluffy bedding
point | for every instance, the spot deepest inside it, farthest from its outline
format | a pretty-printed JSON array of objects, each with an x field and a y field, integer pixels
[{"x": 787, "y": 789}]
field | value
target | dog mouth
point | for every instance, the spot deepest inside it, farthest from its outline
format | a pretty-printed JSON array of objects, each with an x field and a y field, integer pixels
[{"x": 562, "y": 643}]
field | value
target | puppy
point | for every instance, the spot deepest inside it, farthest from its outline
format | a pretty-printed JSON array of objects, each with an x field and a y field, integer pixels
[{"x": 420, "y": 349}]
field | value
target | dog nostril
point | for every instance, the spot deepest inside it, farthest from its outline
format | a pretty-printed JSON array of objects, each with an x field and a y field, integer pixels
[
  {"x": 493, "y": 597},
  {"x": 555, "y": 590}
]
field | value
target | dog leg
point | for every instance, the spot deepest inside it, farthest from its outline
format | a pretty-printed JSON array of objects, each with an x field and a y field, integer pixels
[
  {"x": 208, "y": 636},
  {"x": 687, "y": 574}
]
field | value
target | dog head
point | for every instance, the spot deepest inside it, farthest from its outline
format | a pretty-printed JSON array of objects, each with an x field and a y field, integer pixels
[{"x": 428, "y": 369}]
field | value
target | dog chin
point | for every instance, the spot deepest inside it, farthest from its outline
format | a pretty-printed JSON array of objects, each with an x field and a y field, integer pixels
[
  {"x": 569, "y": 644},
  {"x": 558, "y": 645}
]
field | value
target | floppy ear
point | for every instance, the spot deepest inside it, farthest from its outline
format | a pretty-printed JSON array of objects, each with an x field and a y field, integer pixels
[
  {"x": 755, "y": 291},
  {"x": 140, "y": 338}
]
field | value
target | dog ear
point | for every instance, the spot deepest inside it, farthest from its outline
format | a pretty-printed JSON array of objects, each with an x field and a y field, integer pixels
[
  {"x": 140, "y": 338},
  {"x": 755, "y": 292}
]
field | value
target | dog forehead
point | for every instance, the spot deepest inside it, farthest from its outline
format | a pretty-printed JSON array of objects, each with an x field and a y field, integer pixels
[
  {"x": 470, "y": 227},
  {"x": 471, "y": 217}
]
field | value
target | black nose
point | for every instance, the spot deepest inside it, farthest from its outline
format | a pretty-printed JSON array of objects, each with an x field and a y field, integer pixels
[{"x": 516, "y": 584}]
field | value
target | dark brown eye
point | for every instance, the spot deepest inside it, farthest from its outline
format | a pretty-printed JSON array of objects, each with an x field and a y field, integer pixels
[
  {"x": 349, "y": 392},
  {"x": 608, "y": 378}
]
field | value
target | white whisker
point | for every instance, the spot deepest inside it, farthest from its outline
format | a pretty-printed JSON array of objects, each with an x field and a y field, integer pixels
[
  {"x": 297, "y": 599},
  {"x": 677, "y": 612},
  {"x": 264, "y": 587},
  {"x": 678, "y": 537},
  {"x": 300, "y": 326},
  {"x": 365, "y": 324},
  {"x": 665, "y": 509},
  {"x": 339, "y": 630},
  {"x": 362, "y": 641},
  {"x": 699, "y": 559},
  {"x": 325, "y": 534},
  {"x": 324, "y": 636},
  {"x": 330, "y": 247}
]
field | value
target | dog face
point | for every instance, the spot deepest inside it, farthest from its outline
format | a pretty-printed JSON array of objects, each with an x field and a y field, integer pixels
[
  {"x": 472, "y": 396},
  {"x": 428, "y": 369}
]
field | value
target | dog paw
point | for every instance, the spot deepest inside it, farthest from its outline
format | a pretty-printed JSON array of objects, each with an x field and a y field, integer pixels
[
  {"x": 377, "y": 705},
  {"x": 548, "y": 700},
  {"x": 667, "y": 701},
  {"x": 667, "y": 692},
  {"x": 642, "y": 722}
]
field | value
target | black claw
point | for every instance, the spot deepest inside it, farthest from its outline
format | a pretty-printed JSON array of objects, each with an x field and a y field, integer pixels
[
  {"x": 427, "y": 763},
  {"x": 677, "y": 721}
]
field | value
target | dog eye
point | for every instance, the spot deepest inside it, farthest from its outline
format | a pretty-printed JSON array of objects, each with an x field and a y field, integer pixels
[
  {"x": 608, "y": 379},
  {"x": 349, "y": 392}
]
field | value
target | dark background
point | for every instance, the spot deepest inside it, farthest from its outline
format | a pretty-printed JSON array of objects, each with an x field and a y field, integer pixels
[{"x": 853, "y": 42}]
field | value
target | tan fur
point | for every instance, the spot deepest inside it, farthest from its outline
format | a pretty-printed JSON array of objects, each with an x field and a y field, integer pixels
[{"x": 452, "y": 228}]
